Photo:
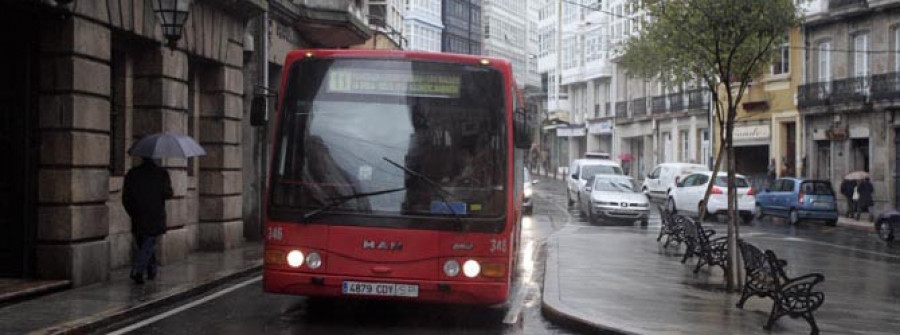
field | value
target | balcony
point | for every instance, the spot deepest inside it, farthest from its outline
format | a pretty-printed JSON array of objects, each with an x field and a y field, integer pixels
[
  {"x": 886, "y": 86},
  {"x": 697, "y": 99},
  {"x": 638, "y": 107},
  {"x": 622, "y": 109},
  {"x": 850, "y": 90},
  {"x": 842, "y": 4},
  {"x": 658, "y": 104},
  {"x": 327, "y": 23},
  {"x": 676, "y": 102},
  {"x": 814, "y": 94}
]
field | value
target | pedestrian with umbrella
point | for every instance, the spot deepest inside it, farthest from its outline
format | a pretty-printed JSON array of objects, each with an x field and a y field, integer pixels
[
  {"x": 144, "y": 195},
  {"x": 850, "y": 188}
]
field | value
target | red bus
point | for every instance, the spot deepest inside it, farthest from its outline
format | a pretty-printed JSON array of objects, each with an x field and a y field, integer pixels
[{"x": 394, "y": 175}]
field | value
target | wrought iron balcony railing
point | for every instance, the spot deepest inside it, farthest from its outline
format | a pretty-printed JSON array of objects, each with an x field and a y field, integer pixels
[
  {"x": 622, "y": 109},
  {"x": 697, "y": 99},
  {"x": 638, "y": 107},
  {"x": 676, "y": 102},
  {"x": 886, "y": 86},
  {"x": 836, "y": 4},
  {"x": 814, "y": 94},
  {"x": 850, "y": 90},
  {"x": 658, "y": 104}
]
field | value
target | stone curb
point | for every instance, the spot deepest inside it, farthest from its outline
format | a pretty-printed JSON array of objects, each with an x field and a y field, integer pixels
[
  {"x": 555, "y": 310},
  {"x": 109, "y": 317}
]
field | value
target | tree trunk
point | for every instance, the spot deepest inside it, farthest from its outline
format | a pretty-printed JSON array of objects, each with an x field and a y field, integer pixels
[{"x": 732, "y": 198}]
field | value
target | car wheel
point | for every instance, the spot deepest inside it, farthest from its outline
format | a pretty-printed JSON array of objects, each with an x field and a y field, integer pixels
[
  {"x": 645, "y": 222},
  {"x": 758, "y": 212},
  {"x": 747, "y": 218},
  {"x": 793, "y": 217},
  {"x": 707, "y": 215},
  {"x": 670, "y": 206},
  {"x": 831, "y": 223}
]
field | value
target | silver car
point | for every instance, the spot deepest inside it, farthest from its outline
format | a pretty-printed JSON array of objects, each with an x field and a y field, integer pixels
[{"x": 614, "y": 198}]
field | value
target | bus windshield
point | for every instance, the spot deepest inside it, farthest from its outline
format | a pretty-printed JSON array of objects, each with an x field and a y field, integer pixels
[{"x": 390, "y": 138}]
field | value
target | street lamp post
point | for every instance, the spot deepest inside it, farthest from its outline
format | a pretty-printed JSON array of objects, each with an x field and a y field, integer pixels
[{"x": 172, "y": 14}]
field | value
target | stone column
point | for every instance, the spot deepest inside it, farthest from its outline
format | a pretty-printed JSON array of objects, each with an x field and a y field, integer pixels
[
  {"x": 160, "y": 105},
  {"x": 73, "y": 175},
  {"x": 221, "y": 204}
]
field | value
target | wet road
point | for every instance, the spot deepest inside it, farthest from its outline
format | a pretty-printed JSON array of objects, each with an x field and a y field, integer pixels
[{"x": 243, "y": 308}]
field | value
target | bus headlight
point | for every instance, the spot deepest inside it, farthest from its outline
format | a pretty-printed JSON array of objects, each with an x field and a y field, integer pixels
[
  {"x": 451, "y": 268},
  {"x": 295, "y": 258},
  {"x": 313, "y": 260},
  {"x": 471, "y": 268}
]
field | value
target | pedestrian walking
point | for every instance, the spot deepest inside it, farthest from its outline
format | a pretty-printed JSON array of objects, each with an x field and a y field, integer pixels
[
  {"x": 772, "y": 173},
  {"x": 144, "y": 195},
  {"x": 864, "y": 201},
  {"x": 848, "y": 187}
]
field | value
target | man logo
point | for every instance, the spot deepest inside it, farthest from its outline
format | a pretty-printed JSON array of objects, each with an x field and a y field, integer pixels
[
  {"x": 382, "y": 245},
  {"x": 624, "y": 204}
]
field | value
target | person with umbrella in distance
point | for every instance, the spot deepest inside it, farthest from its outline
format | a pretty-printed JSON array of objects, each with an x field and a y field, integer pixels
[{"x": 144, "y": 195}]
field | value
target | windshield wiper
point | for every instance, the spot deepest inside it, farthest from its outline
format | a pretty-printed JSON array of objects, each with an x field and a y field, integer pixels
[
  {"x": 434, "y": 186},
  {"x": 337, "y": 201}
]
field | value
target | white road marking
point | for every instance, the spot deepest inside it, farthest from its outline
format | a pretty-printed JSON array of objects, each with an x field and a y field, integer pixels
[
  {"x": 838, "y": 246},
  {"x": 185, "y": 307}
]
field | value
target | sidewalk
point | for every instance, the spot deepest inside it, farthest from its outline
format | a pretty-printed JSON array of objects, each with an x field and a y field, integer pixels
[
  {"x": 621, "y": 281},
  {"x": 83, "y": 309}
]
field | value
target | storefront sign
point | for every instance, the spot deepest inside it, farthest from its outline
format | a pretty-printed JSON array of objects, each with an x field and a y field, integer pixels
[
  {"x": 751, "y": 133},
  {"x": 602, "y": 127},
  {"x": 571, "y": 131}
]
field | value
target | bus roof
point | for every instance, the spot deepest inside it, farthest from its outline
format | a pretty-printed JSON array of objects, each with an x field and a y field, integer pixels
[{"x": 388, "y": 54}]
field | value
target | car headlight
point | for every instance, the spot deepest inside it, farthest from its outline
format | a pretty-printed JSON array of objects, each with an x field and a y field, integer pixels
[
  {"x": 295, "y": 258},
  {"x": 451, "y": 268},
  {"x": 313, "y": 260},
  {"x": 528, "y": 191},
  {"x": 471, "y": 268}
]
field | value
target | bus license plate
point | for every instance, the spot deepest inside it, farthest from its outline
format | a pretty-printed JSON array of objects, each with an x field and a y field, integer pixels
[{"x": 381, "y": 289}]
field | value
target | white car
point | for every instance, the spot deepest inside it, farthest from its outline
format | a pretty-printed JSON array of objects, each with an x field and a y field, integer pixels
[
  {"x": 582, "y": 169},
  {"x": 664, "y": 176},
  {"x": 687, "y": 196},
  {"x": 614, "y": 197}
]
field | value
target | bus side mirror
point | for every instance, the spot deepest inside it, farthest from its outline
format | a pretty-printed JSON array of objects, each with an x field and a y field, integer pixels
[
  {"x": 522, "y": 128},
  {"x": 258, "y": 112}
]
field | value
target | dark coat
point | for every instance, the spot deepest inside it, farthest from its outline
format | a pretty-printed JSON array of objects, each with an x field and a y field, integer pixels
[
  {"x": 847, "y": 187},
  {"x": 865, "y": 190},
  {"x": 144, "y": 196}
]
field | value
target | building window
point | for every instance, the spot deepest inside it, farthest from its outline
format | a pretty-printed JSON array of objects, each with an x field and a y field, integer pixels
[
  {"x": 824, "y": 61},
  {"x": 861, "y": 55},
  {"x": 896, "y": 47},
  {"x": 685, "y": 145},
  {"x": 782, "y": 64}
]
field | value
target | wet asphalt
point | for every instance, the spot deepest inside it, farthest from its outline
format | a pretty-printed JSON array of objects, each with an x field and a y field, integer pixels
[{"x": 243, "y": 308}]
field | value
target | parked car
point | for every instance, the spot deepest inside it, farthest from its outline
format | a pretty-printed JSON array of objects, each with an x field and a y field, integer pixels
[
  {"x": 528, "y": 190},
  {"x": 687, "y": 196},
  {"x": 614, "y": 197},
  {"x": 664, "y": 176},
  {"x": 597, "y": 154},
  {"x": 798, "y": 199},
  {"x": 582, "y": 169}
]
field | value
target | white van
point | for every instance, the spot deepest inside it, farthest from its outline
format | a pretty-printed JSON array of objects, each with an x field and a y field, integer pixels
[
  {"x": 664, "y": 176},
  {"x": 580, "y": 170}
]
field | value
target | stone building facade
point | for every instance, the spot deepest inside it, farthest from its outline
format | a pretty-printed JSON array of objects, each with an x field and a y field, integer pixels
[
  {"x": 848, "y": 100},
  {"x": 88, "y": 78}
]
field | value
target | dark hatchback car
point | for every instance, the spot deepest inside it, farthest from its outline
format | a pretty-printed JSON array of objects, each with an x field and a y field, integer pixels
[{"x": 798, "y": 199}]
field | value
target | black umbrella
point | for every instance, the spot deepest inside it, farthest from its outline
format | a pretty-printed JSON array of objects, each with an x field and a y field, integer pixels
[{"x": 166, "y": 145}]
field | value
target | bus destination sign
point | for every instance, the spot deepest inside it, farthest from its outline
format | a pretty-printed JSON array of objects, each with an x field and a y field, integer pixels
[{"x": 358, "y": 81}]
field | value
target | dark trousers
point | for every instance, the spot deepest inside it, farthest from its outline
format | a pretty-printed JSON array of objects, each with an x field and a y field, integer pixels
[
  {"x": 851, "y": 207},
  {"x": 145, "y": 255}
]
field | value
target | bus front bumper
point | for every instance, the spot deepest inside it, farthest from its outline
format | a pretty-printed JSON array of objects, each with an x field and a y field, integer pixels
[{"x": 321, "y": 285}]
